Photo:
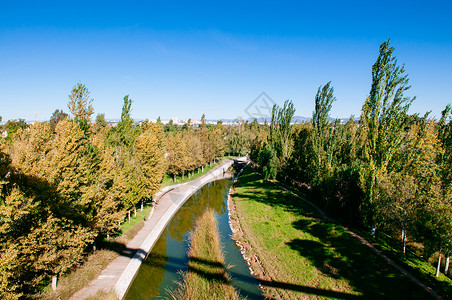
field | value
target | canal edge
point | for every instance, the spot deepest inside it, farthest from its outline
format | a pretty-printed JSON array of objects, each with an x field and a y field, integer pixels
[{"x": 123, "y": 283}]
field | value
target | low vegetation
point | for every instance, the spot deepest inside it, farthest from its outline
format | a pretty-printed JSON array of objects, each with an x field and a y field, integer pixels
[{"x": 206, "y": 277}]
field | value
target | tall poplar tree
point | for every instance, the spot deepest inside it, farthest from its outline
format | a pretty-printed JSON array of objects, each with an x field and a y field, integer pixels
[
  {"x": 383, "y": 117},
  {"x": 324, "y": 134}
]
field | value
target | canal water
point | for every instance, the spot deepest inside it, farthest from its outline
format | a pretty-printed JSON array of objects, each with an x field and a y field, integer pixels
[{"x": 161, "y": 273}]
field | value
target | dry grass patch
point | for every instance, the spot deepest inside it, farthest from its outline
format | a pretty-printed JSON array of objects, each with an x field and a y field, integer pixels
[
  {"x": 206, "y": 277},
  {"x": 79, "y": 278}
]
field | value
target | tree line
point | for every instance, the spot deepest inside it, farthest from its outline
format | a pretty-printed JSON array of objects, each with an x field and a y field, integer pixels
[
  {"x": 387, "y": 170},
  {"x": 68, "y": 183}
]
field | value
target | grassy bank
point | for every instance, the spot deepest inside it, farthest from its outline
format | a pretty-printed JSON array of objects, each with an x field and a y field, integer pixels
[
  {"x": 304, "y": 256},
  {"x": 206, "y": 277}
]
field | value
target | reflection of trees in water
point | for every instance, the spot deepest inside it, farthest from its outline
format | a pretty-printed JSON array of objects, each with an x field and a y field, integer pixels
[
  {"x": 212, "y": 195},
  {"x": 150, "y": 276}
]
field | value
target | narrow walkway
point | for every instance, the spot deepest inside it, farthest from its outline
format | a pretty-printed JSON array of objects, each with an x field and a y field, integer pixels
[{"x": 119, "y": 274}]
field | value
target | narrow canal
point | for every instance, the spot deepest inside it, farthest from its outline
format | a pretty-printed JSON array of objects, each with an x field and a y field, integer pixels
[{"x": 160, "y": 274}]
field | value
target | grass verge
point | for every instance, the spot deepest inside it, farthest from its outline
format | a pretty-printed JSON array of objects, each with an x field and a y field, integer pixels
[
  {"x": 168, "y": 180},
  {"x": 206, "y": 277},
  {"x": 305, "y": 256}
]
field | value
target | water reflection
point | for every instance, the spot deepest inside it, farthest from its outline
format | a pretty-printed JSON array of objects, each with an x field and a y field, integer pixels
[{"x": 160, "y": 273}]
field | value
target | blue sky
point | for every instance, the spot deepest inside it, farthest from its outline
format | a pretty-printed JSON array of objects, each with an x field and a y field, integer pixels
[{"x": 215, "y": 57}]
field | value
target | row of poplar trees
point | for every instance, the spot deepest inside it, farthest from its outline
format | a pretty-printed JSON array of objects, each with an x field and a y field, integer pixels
[
  {"x": 67, "y": 182},
  {"x": 387, "y": 170}
]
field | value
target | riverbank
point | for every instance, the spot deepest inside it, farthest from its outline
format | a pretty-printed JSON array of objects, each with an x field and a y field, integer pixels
[
  {"x": 296, "y": 253},
  {"x": 206, "y": 277}
]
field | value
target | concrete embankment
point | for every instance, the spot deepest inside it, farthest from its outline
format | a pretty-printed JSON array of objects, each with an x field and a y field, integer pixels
[
  {"x": 178, "y": 199},
  {"x": 120, "y": 273}
]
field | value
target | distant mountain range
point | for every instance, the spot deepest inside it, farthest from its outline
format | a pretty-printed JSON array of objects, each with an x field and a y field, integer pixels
[{"x": 295, "y": 119}]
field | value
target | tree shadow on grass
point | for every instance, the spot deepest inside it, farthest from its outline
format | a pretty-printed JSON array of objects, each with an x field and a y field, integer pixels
[
  {"x": 338, "y": 255},
  {"x": 330, "y": 248},
  {"x": 214, "y": 276}
]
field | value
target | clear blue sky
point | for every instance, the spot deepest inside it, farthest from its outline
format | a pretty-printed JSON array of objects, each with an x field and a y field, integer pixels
[{"x": 215, "y": 57}]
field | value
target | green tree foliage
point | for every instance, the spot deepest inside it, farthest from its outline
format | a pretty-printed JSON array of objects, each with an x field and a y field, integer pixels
[
  {"x": 152, "y": 161},
  {"x": 280, "y": 129},
  {"x": 80, "y": 105},
  {"x": 101, "y": 123},
  {"x": 125, "y": 125},
  {"x": 389, "y": 169},
  {"x": 325, "y": 135},
  {"x": 273, "y": 152},
  {"x": 384, "y": 115},
  {"x": 13, "y": 126},
  {"x": 56, "y": 117},
  {"x": 445, "y": 137},
  {"x": 42, "y": 215},
  {"x": 175, "y": 154},
  {"x": 63, "y": 187}
]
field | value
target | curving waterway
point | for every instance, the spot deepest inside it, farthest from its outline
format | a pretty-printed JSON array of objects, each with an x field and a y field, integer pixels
[{"x": 160, "y": 274}]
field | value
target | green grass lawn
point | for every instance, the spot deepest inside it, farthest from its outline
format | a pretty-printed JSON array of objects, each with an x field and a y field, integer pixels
[
  {"x": 169, "y": 180},
  {"x": 134, "y": 220},
  {"x": 308, "y": 257}
]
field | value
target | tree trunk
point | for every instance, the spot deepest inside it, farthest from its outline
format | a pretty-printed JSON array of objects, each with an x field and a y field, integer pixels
[
  {"x": 54, "y": 282},
  {"x": 439, "y": 264},
  {"x": 373, "y": 230},
  {"x": 129, "y": 216},
  {"x": 135, "y": 211},
  {"x": 404, "y": 241},
  {"x": 183, "y": 173},
  {"x": 446, "y": 268},
  {"x": 202, "y": 168},
  {"x": 141, "y": 205},
  {"x": 174, "y": 176}
]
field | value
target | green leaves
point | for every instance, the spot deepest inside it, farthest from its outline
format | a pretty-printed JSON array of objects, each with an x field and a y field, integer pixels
[
  {"x": 383, "y": 117},
  {"x": 80, "y": 105}
]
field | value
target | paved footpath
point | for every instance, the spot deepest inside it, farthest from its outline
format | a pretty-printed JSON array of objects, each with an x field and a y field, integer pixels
[{"x": 119, "y": 274}]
